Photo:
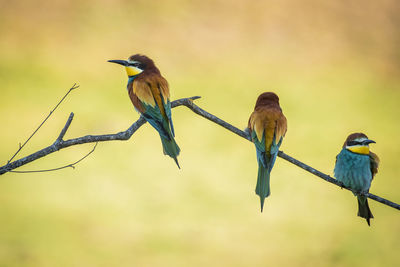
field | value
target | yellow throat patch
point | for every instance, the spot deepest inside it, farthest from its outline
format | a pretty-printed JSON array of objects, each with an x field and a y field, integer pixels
[
  {"x": 132, "y": 71},
  {"x": 364, "y": 150}
]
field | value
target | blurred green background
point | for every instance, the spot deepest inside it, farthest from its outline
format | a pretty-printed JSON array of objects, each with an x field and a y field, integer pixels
[{"x": 334, "y": 64}]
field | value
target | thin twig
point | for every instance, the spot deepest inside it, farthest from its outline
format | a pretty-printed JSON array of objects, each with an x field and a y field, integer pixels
[
  {"x": 48, "y": 116},
  {"x": 72, "y": 165},
  {"x": 188, "y": 102},
  {"x": 65, "y": 129}
]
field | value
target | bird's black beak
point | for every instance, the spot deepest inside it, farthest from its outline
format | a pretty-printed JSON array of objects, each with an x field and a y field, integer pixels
[
  {"x": 367, "y": 142},
  {"x": 121, "y": 62}
]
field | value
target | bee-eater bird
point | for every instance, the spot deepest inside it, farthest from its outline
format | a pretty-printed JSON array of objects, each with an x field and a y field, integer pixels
[
  {"x": 355, "y": 167},
  {"x": 149, "y": 93},
  {"x": 267, "y": 126}
]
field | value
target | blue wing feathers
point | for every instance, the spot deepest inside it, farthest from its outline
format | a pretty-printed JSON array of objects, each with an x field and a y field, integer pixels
[
  {"x": 267, "y": 159},
  {"x": 162, "y": 123},
  {"x": 154, "y": 117},
  {"x": 167, "y": 107}
]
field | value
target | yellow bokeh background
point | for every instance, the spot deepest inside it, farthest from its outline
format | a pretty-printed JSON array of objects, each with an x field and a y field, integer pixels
[{"x": 334, "y": 64}]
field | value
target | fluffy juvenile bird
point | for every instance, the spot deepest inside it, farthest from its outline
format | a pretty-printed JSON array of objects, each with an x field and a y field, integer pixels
[
  {"x": 149, "y": 93},
  {"x": 267, "y": 126},
  {"x": 355, "y": 167}
]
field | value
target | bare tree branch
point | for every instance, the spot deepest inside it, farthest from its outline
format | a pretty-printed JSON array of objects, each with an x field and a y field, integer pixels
[
  {"x": 125, "y": 135},
  {"x": 72, "y": 165},
  {"x": 60, "y": 143},
  {"x": 48, "y": 116},
  {"x": 334, "y": 181},
  {"x": 281, "y": 154}
]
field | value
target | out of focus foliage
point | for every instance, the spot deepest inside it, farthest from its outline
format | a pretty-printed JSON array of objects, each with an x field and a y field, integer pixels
[{"x": 334, "y": 64}]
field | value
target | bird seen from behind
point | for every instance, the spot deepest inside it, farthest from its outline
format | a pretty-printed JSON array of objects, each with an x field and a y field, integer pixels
[{"x": 267, "y": 127}]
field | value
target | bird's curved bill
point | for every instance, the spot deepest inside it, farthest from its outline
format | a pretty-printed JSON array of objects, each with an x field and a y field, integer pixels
[
  {"x": 368, "y": 141},
  {"x": 121, "y": 62}
]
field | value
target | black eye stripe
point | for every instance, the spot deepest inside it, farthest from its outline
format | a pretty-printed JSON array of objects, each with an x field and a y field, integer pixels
[
  {"x": 354, "y": 143},
  {"x": 138, "y": 65}
]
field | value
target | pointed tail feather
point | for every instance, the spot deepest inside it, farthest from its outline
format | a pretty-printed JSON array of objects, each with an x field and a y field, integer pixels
[
  {"x": 262, "y": 188},
  {"x": 171, "y": 148},
  {"x": 363, "y": 209}
]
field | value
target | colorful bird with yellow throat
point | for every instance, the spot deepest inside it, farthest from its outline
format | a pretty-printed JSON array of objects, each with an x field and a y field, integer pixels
[
  {"x": 149, "y": 93},
  {"x": 267, "y": 127},
  {"x": 355, "y": 167}
]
